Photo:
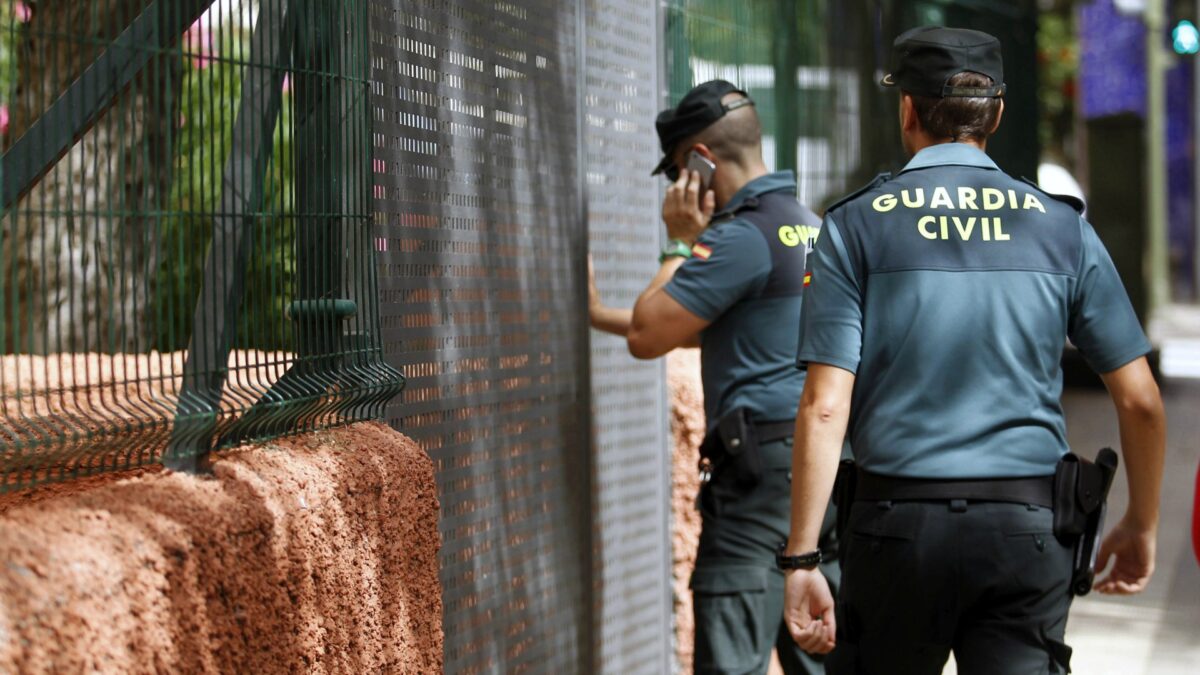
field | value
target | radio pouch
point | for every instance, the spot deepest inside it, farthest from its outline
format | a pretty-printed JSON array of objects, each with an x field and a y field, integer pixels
[{"x": 732, "y": 449}]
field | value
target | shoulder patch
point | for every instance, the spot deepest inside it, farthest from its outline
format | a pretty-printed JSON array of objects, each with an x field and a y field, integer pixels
[
  {"x": 1071, "y": 200},
  {"x": 875, "y": 182}
]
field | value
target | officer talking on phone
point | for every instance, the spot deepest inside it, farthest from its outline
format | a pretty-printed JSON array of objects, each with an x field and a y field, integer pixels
[
  {"x": 730, "y": 280},
  {"x": 938, "y": 307}
]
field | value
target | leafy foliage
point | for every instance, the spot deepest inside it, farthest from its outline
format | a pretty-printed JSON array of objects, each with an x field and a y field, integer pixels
[
  {"x": 1058, "y": 65},
  {"x": 210, "y": 96}
]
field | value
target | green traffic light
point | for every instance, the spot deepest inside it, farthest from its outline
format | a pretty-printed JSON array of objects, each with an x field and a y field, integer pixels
[{"x": 1185, "y": 38}]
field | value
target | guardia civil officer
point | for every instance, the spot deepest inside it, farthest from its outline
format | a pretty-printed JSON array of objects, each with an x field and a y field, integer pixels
[
  {"x": 939, "y": 304},
  {"x": 730, "y": 280}
]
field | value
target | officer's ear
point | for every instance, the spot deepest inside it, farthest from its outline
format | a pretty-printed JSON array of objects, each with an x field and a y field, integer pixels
[
  {"x": 705, "y": 151},
  {"x": 999, "y": 114},
  {"x": 908, "y": 114}
]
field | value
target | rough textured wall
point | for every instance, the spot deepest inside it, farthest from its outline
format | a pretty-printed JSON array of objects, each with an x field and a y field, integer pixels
[
  {"x": 687, "y": 430},
  {"x": 314, "y": 554}
]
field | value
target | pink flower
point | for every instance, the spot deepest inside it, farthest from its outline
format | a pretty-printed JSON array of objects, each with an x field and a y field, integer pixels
[
  {"x": 198, "y": 40},
  {"x": 287, "y": 83},
  {"x": 3, "y": 119},
  {"x": 22, "y": 12}
]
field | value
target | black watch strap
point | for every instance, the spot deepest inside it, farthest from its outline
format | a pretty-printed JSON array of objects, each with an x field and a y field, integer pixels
[{"x": 806, "y": 561}]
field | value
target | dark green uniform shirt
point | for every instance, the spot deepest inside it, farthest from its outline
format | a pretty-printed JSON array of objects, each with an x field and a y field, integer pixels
[
  {"x": 951, "y": 290},
  {"x": 746, "y": 277}
]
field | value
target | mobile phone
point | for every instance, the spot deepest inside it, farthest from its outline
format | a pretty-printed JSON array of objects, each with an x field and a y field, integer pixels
[{"x": 700, "y": 164}]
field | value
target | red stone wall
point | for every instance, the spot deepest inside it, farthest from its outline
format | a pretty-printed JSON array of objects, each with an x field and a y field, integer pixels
[
  {"x": 687, "y": 431},
  {"x": 316, "y": 553}
]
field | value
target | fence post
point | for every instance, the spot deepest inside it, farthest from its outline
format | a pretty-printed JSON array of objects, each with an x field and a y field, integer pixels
[{"x": 214, "y": 324}]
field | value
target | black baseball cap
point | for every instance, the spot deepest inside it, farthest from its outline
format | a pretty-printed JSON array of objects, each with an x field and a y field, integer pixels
[
  {"x": 699, "y": 108},
  {"x": 924, "y": 59}
]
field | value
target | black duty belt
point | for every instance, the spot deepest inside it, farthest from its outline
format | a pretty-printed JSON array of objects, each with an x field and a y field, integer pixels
[
  {"x": 767, "y": 432},
  {"x": 872, "y": 487}
]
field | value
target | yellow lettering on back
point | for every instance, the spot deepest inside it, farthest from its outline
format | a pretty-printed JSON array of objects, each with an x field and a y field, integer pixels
[
  {"x": 966, "y": 198},
  {"x": 914, "y": 203},
  {"x": 926, "y": 220},
  {"x": 789, "y": 236},
  {"x": 941, "y": 198},
  {"x": 884, "y": 203},
  {"x": 1000, "y": 234},
  {"x": 993, "y": 199},
  {"x": 1012, "y": 199},
  {"x": 1032, "y": 202},
  {"x": 965, "y": 232}
]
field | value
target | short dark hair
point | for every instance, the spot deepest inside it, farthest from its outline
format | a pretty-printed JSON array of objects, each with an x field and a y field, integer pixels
[
  {"x": 735, "y": 138},
  {"x": 959, "y": 117}
]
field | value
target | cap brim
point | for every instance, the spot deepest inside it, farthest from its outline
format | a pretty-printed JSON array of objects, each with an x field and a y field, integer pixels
[
  {"x": 665, "y": 162},
  {"x": 888, "y": 80}
]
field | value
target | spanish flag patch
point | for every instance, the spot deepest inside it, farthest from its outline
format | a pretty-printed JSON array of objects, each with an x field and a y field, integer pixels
[
  {"x": 807, "y": 279},
  {"x": 701, "y": 251}
]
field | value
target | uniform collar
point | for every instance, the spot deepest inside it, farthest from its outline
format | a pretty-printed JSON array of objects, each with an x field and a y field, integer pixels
[
  {"x": 944, "y": 154},
  {"x": 771, "y": 182}
]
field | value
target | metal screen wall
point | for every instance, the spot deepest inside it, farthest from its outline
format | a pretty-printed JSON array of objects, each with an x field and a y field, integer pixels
[
  {"x": 631, "y": 465},
  {"x": 552, "y": 560}
]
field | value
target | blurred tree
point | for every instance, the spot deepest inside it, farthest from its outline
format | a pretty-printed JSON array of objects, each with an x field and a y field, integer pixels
[
  {"x": 1058, "y": 66},
  {"x": 79, "y": 251}
]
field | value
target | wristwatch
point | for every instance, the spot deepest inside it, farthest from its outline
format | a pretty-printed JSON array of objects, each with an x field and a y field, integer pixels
[
  {"x": 675, "y": 248},
  {"x": 806, "y": 561}
]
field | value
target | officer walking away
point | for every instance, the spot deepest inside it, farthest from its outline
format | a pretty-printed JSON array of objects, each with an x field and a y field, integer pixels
[
  {"x": 934, "y": 323},
  {"x": 730, "y": 280}
]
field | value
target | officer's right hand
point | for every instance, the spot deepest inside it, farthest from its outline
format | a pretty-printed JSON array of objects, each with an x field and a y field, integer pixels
[
  {"x": 684, "y": 211},
  {"x": 593, "y": 292},
  {"x": 1133, "y": 550},
  {"x": 808, "y": 611}
]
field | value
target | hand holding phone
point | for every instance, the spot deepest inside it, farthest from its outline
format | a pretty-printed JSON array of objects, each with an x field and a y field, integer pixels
[
  {"x": 686, "y": 212},
  {"x": 701, "y": 165}
]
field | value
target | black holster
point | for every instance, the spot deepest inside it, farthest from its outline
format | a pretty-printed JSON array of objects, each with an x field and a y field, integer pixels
[
  {"x": 1080, "y": 494},
  {"x": 731, "y": 450}
]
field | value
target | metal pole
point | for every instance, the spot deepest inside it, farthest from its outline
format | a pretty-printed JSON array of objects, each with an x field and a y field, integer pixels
[
  {"x": 1196, "y": 171},
  {"x": 1156, "y": 170}
]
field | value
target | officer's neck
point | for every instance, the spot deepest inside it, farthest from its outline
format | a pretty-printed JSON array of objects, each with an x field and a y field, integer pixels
[
  {"x": 919, "y": 141},
  {"x": 733, "y": 177}
]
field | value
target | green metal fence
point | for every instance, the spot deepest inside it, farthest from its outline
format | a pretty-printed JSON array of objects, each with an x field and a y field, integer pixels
[
  {"x": 805, "y": 78},
  {"x": 186, "y": 256},
  {"x": 813, "y": 68}
]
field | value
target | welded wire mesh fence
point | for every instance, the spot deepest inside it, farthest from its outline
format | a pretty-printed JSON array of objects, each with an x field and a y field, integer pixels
[
  {"x": 813, "y": 68},
  {"x": 186, "y": 259},
  {"x": 809, "y": 65}
]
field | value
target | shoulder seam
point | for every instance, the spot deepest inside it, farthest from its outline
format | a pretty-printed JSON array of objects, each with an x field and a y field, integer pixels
[
  {"x": 1070, "y": 200},
  {"x": 878, "y": 180}
]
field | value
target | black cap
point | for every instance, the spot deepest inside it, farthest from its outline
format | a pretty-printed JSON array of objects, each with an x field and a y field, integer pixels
[
  {"x": 699, "y": 108},
  {"x": 924, "y": 59}
]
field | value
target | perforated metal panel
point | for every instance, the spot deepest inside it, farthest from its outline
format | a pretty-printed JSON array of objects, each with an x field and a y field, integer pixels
[
  {"x": 555, "y": 559},
  {"x": 478, "y": 221},
  {"x": 633, "y": 616}
]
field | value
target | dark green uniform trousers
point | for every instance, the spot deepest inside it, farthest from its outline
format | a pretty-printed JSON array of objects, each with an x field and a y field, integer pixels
[
  {"x": 737, "y": 591},
  {"x": 986, "y": 580}
]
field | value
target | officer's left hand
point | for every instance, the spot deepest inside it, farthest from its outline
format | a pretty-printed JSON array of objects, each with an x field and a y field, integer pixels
[
  {"x": 1132, "y": 550},
  {"x": 808, "y": 611},
  {"x": 684, "y": 210}
]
